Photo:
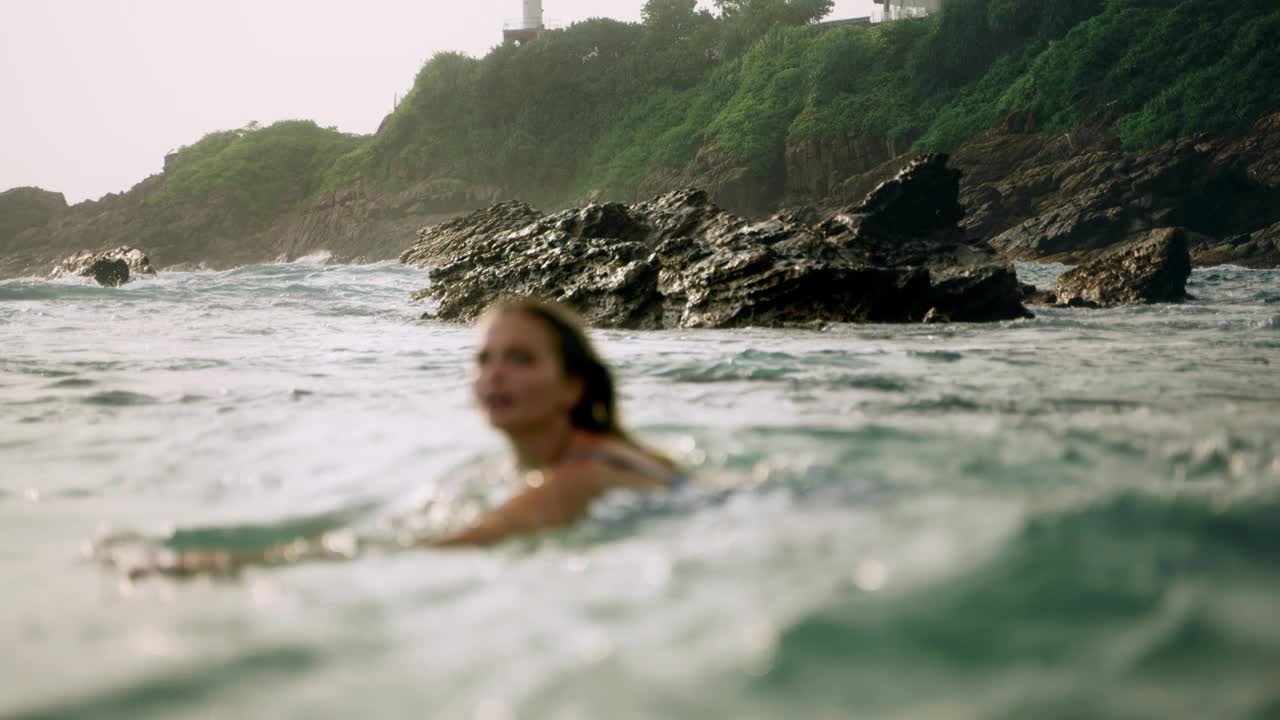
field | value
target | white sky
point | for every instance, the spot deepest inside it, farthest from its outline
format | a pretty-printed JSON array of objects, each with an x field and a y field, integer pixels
[{"x": 94, "y": 93}]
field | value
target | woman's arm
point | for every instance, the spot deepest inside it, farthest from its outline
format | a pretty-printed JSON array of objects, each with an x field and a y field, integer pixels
[{"x": 555, "y": 500}]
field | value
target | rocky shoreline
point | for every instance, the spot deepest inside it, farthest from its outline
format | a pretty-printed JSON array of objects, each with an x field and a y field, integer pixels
[
  {"x": 679, "y": 261},
  {"x": 1039, "y": 201},
  {"x": 1035, "y": 196}
]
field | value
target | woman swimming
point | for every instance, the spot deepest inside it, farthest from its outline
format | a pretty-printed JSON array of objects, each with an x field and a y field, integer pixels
[{"x": 538, "y": 380}]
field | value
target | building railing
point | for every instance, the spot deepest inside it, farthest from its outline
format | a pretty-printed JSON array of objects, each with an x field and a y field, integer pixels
[
  {"x": 521, "y": 24},
  {"x": 865, "y": 20},
  {"x": 886, "y": 10}
]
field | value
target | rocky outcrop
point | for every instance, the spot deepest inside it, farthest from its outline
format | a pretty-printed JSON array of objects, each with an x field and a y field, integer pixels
[
  {"x": 437, "y": 244},
  {"x": 1152, "y": 270},
  {"x": 680, "y": 261},
  {"x": 1013, "y": 173},
  {"x": 110, "y": 268},
  {"x": 108, "y": 272},
  {"x": 1072, "y": 196},
  {"x": 1067, "y": 197}
]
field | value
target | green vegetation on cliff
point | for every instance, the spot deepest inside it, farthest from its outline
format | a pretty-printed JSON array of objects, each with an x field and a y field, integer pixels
[
  {"x": 603, "y": 104},
  {"x": 1160, "y": 69},
  {"x": 261, "y": 171}
]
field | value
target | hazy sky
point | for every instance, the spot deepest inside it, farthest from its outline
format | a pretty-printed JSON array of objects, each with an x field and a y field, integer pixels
[{"x": 94, "y": 93}]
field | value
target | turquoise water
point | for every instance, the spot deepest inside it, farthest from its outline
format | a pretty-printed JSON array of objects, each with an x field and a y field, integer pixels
[{"x": 1076, "y": 516}]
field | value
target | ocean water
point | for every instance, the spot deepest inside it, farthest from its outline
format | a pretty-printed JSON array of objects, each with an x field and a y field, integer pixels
[{"x": 1076, "y": 516}]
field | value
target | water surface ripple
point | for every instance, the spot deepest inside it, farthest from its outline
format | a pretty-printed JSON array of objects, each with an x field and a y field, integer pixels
[{"x": 1071, "y": 516}]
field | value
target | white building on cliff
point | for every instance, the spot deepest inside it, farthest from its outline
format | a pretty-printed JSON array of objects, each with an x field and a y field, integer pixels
[{"x": 899, "y": 9}]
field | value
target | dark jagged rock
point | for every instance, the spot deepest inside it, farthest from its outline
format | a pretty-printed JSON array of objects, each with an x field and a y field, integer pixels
[
  {"x": 435, "y": 247},
  {"x": 680, "y": 261},
  {"x": 1152, "y": 270},
  {"x": 921, "y": 200},
  {"x": 108, "y": 272},
  {"x": 111, "y": 268}
]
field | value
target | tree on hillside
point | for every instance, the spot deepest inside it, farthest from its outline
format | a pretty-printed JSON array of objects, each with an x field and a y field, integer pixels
[
  {"x": 748, "y": 20},
  {"x": 679, "y": 42},
  {"x": 669, "y": 18},
  {"x": 783, "y": 12}
]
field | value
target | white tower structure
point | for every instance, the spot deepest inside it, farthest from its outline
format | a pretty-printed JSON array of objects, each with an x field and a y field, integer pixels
[
  {"x": 527, "y": 27},
  {"x": 532, "y": 15}
]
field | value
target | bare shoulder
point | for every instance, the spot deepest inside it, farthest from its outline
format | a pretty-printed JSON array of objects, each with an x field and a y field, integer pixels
[{"x": 619, "y": 463}]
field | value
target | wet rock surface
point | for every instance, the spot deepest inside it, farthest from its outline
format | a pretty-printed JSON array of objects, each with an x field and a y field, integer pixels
[
  {"x": 110, "y": 268},
  {"x": 107, "y": 272},
  {"x": 1151, "y": 270},
  {"x": 680, "y": 261}
]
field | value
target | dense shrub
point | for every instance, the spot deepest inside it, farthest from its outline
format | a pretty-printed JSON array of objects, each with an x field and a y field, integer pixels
[{"x": 263, "y": 170}]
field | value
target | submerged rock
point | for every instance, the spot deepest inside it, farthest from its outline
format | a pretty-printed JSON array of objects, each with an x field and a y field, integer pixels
[
  {"x": 1152, "y": 270},
  {"x": 110, "y": 268},
  {"x": 679, "y": 261}
]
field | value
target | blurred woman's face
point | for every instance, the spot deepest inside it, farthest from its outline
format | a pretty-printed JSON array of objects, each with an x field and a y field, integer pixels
[{"x": 519, "y": 381}]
